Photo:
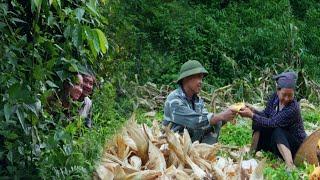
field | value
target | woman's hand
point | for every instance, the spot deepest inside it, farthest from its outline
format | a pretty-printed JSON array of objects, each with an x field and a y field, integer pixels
[
  {"x": 246, "y": 112},
  {"x": 250, "y": 107}
]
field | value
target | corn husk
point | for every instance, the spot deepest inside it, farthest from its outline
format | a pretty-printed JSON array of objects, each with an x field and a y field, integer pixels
[
  {"x": 129, "y": 142},
  {"x": 146, "y": 175},
  {"x": 174, "y": 145},
  {"x": 142, "y": 152},
  {"x": 247, "y": 168},
  {"x": 173, "y": 173},
  {"x": 198, "y": 172},
  {"x": 136, "y": 162},
  {"x": 257, "y": 173},
  {"x": 121, "y": 148},
  {"x": 104, "y": 173},
  {"x": 156, "y": 158},
  {"x": 139, "y": 138},
  {"x": 119, "y": 173}
]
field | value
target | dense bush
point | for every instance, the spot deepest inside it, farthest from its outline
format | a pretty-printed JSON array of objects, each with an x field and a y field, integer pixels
[
  {"x": 231, "y": 42},
  {"x": 45, "y": 42}
]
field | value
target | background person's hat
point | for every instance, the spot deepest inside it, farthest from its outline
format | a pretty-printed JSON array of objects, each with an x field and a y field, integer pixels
[{"x": 286, "y": 80}]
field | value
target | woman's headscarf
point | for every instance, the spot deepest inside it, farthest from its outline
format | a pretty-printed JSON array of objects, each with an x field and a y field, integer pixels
[{"x": 286, "y": 80}]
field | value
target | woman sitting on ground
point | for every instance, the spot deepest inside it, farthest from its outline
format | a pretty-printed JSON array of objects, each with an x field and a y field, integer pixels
[{"x": 279, "y": 128}]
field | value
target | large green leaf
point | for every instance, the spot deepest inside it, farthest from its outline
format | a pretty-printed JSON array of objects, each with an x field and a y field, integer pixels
[
  {"x": 21, "y": 118},
  {"x": 51, "y": 84},
  {"x": 38, "y": 73},
  {"x": 103, "y": 43},
  {"x": 79, "y": 14},
  {"x": 73, "y": 68},
  {"x": 92, "y": 7},
  {"x": 37, "y": 3},
  {"x": 20, "y": 92},
  {"x": 93, "y": 41},
  {"x": 7, "y": 111},
  {"x": 2, "y": 25},
  {"x": 77, "y": 36}
]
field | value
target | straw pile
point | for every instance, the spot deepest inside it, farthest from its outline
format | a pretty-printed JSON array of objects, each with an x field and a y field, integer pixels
[{"x": 140, "y": 152}]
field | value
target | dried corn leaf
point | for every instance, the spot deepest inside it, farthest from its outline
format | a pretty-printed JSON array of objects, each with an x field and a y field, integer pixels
[
  {"x": 171, "y": 170},
  {"x": 107, "y": 156},
  {"x": 129, "y": 142},
  {"x": 196, "y": 169},
  {"x": 174, "y": 145},
  {"x": 206, "y": 151},
  {"x": 222, "y": 163},
  {"x": 226, "y": 169},
  {"x": 145, "y": 175},
  {"x": 188, "y": 171},
  {"x": 249, "y": 165},
  {"x": 186, "y": 141},
  {"x": 218, "y": 173},
  {"x": 140, "y": 140},
  {"x": 148, "y": 132},
  {"x": 103, "y": 173},
  {"x": 173, "y": 160},
  {"x": 257, "y": 173},
  {"x": 110, "y": 166},
  {"x": 119, "y": 173},
  {"x": 156, "y": 158},
  {"x": 121, "y": 147},
  {"x": 173, "y": 173},
  {"x": 165, "y": 151},
  {"x": 232, "y": 171},
  {"x": 203, "y": 164},
  {"x": 136, "y": 162},
  {"x": 129, "y": 170}
]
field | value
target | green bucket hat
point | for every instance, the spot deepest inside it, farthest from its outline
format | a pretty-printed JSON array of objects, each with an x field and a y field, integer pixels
[{"x": 191, "y": 67}]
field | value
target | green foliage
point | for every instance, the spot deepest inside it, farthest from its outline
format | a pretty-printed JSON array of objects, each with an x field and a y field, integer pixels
[
  {"x": 142, "y": 118},
  {"x": 43, "y": 44},
  {"x": 230, "y": 42},
  {"x": 280, "y": 173},
  {"x": 72, "y": 151},
  {"x": 276, "y": 169},
  {"x": 312, "y": 116},
  {"x": 239, "y": 134}
]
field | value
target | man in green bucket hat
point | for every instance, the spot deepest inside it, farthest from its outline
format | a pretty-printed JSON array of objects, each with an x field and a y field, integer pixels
[{"x": 185, "y": 109}]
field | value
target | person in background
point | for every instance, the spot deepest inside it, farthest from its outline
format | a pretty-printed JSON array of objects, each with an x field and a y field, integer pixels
[
  {"x": 279, "y": 127},
  {"x": 87, "y": 88},
  {"x": 70, "y": 92},
  {"x": 185, "y": 109}
]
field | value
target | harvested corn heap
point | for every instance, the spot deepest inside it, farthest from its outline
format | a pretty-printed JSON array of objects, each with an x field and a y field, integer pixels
[{"x": 140, "y": 152}]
